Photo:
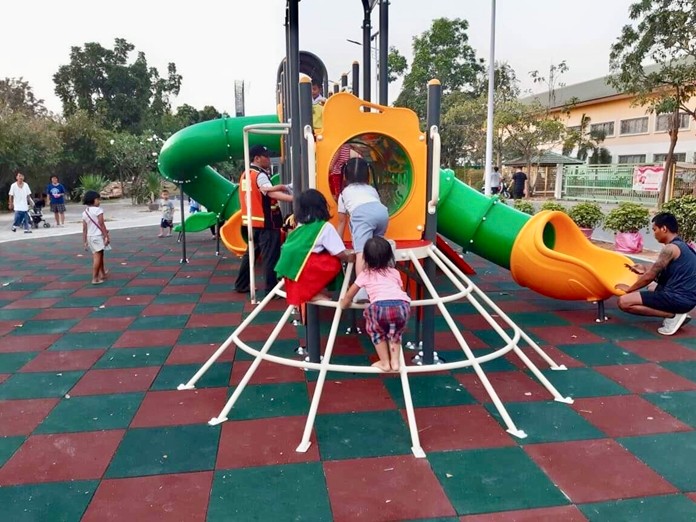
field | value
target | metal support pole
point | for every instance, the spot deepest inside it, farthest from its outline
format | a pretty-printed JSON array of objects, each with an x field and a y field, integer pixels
[
  {"x": 491, "y": 96},
  {"x": 184, "y": 259},
  {"x": 356, "y": 79},
  {"x": 293, "y": 59},
  {"x": 367, "y": 52},
  {"x": 383, "y": 62},
  {"x": 344, "y": 81},
  {"x": 433, "y": 119}
]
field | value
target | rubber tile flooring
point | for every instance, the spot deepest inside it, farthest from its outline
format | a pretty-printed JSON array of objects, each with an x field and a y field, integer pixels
[{"x": 92, "y": 426}]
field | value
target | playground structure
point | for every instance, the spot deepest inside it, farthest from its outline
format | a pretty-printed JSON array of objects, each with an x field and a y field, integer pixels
[{"x": 546, "y": 253}]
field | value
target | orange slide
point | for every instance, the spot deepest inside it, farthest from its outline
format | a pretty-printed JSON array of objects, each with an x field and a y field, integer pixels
[{"x": 231, "y": 234}]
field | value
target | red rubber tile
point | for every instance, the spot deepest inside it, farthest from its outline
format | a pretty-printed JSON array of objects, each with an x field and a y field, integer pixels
[
  {"x": 564, "y": 335},
  {"x": 558, "y": 356},
  {"x": 21, "y": 417},
  {"x": 117, "y": 380},
  {"x": 552, "y": 514},
  {"x": 352, "y": 395},
  {"x": 183, "y": 289},
  {"x": 27, "y": 343},
  {"x": 160, "y": 497},
  {"x": 221, "y": 319},
  {"x": 4, "y": 377},
  {"x": 260, "y": 332},
  {"x": 64, "y": 313},
  {"x": 47, "y": 302},
  {"x": 266, "y": 373},
  {"x": 386, "y": 488},
  {"x": 63, "y": 361},
  {"x": 14, "y": 295},
  {"x": 147, "y": 338},
  {"x": 510, "y": 387},
  {"x": 459, "y": 428},
  {"x": 664, "y": 350},
  {"x": 597, "y": 470},
  {"x": 149, "y": 281},
  {"x": 125, "y": 300},
  {"x": 168, "y": 309},
  {"x": 626, "y": 416},
  {"x": 198, "y": 353},
  {"x": 263, "y": 442},
  {"x": 176, "y": 408},
  {"x": 97, "y": 291},
  {"x": 61, "y": 457},
  {"x": 646, "y": 378},
  {"x": 64, "y": 285},
  {"x": 103, "y": 324}
]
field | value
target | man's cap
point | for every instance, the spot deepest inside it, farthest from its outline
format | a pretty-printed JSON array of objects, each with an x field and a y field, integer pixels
[{"x": 259, "y": 150}]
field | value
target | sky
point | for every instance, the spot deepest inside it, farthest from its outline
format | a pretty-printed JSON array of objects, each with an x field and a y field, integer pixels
[{"x": 214, "y": 43}]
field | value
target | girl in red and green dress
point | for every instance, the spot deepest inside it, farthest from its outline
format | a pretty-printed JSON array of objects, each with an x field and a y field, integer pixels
[{"x": 311, "y": 256}]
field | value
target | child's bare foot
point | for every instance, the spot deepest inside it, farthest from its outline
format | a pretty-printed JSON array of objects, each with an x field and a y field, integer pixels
[
  {"x": 105, "y": 273},
  {"x": 382, "y": 365},
  {"x": 160, "y": 235},
  {"x": 394, "y": 363},
  {"x": 97, "y": 281}
]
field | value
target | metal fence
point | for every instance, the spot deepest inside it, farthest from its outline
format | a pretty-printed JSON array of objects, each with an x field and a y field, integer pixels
[{"x": 603, "y": 184}]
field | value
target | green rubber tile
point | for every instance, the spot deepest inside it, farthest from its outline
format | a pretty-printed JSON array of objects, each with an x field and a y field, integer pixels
[
  {"x": 534, "y": 319},
  {"x": 176, "y": 298},
  {"x": 173, "y": 375},
  {"x": 490, "y": 480},
  {"x": 675, "y": 508},
  {"x": 81, "y": 302},
  {"x": 684, "y": 368},
  {"x": 430, "y": 390},
  {"x": 21, "y": 285},
  {"x": 217, "y": 308},
  {"x": 138, "y": 290},
  {"x": 600, "y": 354},
  {"x": 56, "y": 501},
  {"x": 583, "y": 382},
  {"x": 364, "y": 434},
  {"x": 185, "y": 280},
  {"x": 271, "y": 317},
  {"x": 353, "y": 360},
  {"x": 20, "y": 315},
  {"x": 499, "y": 364},
  {"x": 69, "y": 278},
  {"x": 492, "y": 339},
  {"x": 43, "y": 294},
  {"x": 271, "y": 400},
  {"x": 159, "y": 322},
  {"x": 681, "y": 405},
  {"x": 547, "y": 421},
  {"x": 209, "y": 335},
  {"x": 45, "y": 327},
  {"x": 133, "y": 357},
  {"x": 295, "y": 488},
  {"x": 86, "y": 341},
  {"x": 117, "y": 311},
  {"x": 92, "y": 413},
  {"x": 8, "y": 445},
  {"x": 281, "y": 348},
  {"x": 159, "y": 451},
  {"x": 672, "y": 455},
  {"x": 11, "y": 362},
  {"x": 38, "y": 385},
  {"x": 620, "y": 332}
]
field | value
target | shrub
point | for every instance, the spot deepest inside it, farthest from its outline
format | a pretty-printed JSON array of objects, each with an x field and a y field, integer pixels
[
  {"x": 95, "y": 182},
  {"x": 627, "y": 217},
  {"x": 684, "y": 209},
  {"x": 524, "y": 206},
  {"x": 586, "y": 215},
  {"x": 552, "y": 205}
]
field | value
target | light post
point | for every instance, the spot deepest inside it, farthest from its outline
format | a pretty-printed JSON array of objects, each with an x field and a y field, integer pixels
[{"x": 374, "y": 49}]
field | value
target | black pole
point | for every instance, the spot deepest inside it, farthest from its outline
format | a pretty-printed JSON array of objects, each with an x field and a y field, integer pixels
[
  {"x": 184, "y": 259},
  {"x": 433, "y": 119},
  {"x": 336, "y": 88},
  {"x": 356, "y": 79},
  {"x": 293, "y": 58},
  {"x": 344, "y": 81},
  {"x": 367, "y": 51},
  {"x": 383, "y": 62}
]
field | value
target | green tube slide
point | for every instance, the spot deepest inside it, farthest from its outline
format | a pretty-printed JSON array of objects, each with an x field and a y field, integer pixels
[{"x": 187, "y": 155}]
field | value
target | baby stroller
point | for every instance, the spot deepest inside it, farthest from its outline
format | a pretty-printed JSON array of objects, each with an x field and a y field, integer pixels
[{"x": 36, "y": 214}]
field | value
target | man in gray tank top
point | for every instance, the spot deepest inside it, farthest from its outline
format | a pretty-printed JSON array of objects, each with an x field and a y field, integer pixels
[{"x": 670, "y": 281}]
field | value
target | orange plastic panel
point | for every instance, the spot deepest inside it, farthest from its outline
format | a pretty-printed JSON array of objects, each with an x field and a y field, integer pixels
[
  {"x": 574, "y": 269},
  {"x": 345, "y": 118},
  {"x": 231, "y": 234}
]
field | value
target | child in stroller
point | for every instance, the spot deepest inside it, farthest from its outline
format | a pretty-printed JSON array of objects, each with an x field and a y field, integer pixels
[{"x": 36, "y": 213}]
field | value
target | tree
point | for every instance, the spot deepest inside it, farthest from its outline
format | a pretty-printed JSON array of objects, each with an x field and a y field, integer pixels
[
  {"x": 588, "y": 142},
  {"x": 663, "y": 32},
  {"x": 396, "y": 64},
  {"x": 121, "y": 95},
  {"x": 442, "y": 52},
  {"x": 16, "y": 95},
  {"x": 131, "y": 156}
]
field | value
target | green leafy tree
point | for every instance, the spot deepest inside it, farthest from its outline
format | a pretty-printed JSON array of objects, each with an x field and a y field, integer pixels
[
  {"x": 588, "y": 143},
  {"x": 396, "y": 64},
  {"x": 662, "y": 32},
  {"x": 463, "y": 136},
  {"x": 120, "y": 93},
  {"x": 442, "y": 52},
  {"x": 16, "y": 95}
]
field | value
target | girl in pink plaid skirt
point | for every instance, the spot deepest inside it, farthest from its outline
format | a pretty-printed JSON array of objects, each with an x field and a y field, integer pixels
[{"x": 390, "y": 306}]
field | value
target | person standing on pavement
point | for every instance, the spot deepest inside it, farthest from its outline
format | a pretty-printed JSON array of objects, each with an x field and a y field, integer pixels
[
  {"x": 495, "y": 181},
  {"x": 670, "y": 281},
  {"x": 20, "y": 197},
  {"x": 519, "y": 180},
  {"x": 266, "y": 217},
  {"x": 56, "y": 199}
]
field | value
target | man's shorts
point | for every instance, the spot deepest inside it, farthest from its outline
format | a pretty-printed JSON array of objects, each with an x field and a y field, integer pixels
[
  {"x": 95, "y": 243},
  {"x": 58, "y": 208},
  {"x": 166, "y": 223},
  {"x": 386, "y": 320},
  {"x": 659, "y": 300},
  {"x": 368, "y": 220}
]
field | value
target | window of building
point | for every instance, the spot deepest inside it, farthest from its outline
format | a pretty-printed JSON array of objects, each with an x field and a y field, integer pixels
[
  {"x": 661, "y": 158},
  {"x": 634, "y": 126},
  {"x": 632, "y": 158},
  {"x": 574, "y": 128},
  {"x": 607, "y": 128},
  {"x": 662, "y": 122}
]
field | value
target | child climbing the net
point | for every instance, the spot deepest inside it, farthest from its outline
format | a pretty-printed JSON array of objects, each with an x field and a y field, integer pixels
[
  {"x": 311, "y": 256},
  {"x": 390, "y": 306}
]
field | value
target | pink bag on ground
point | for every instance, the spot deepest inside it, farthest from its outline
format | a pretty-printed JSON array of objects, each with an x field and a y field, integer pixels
[{"x": 628, "y": 242}]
